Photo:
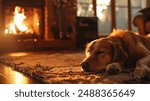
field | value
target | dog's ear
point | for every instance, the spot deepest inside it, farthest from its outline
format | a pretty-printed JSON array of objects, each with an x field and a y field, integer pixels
[{"x": 118, "y": 53}]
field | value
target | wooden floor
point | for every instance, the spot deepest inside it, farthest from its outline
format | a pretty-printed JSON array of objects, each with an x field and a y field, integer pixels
[{"x": 9, "y": 76}]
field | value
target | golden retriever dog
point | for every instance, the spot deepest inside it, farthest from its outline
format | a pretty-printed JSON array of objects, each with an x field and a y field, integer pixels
[{"x": 122, "y": 49}]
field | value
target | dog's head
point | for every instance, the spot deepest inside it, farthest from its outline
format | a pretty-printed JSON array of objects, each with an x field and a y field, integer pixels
[{"x": 100, "y": 53}]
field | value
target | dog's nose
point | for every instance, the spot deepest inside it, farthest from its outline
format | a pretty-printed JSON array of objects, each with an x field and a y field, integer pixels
[{"x": 85, "y": 66}]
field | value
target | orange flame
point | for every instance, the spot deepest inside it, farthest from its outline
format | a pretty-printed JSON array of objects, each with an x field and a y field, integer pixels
[
  {"x": 19, "y": 19},
  {"x": 18, "y": 22}
]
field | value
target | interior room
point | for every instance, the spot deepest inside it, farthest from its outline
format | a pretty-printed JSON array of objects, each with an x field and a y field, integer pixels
[{"x": 44, "y": 41}]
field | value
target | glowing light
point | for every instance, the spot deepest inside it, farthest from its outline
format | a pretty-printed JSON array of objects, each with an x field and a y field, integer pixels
[
  {"x": 6, "y": 31},
  {"x": 102, "y": 5},
  {"x": 19, "y": 19},
  {"x": 35, "y": 40},
  {"x": 38, "y": 24},
  {"x": 18, "y": 22},
  {"x": 12, "y": 28},
  {"x": 18, "y": 40},
  {"x": 19, "y": 78},
  {"x": 18, "y": 54}
]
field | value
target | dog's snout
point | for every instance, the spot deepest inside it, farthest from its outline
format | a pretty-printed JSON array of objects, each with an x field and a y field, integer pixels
[{"x": 85, "y": 66}]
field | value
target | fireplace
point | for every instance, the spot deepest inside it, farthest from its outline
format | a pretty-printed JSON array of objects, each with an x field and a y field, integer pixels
[
  {"x": 24, "y": 18},
  {"x": 37, "y": 24}
]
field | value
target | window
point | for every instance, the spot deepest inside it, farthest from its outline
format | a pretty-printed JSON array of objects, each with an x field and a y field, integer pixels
[
  {"x": 121, "y": 14},
  {"x": 85, "y": 8},
  {"x": 104, "y": 17},
  {"x": 103, "y": 10}
]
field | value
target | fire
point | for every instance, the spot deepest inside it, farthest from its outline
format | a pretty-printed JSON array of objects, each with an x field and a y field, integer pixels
[
  {"x": 19, "y": 19},
  {"x": 18, "y": 24}
]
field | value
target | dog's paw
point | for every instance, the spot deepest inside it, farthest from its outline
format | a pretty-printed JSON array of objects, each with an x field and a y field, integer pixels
[
  {"x": 139, "y": 73},
  {"x": 113, "y": 68}
]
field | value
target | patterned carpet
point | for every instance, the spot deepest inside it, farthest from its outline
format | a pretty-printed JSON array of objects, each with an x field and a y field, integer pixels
[{"x": 61, "y": 68}]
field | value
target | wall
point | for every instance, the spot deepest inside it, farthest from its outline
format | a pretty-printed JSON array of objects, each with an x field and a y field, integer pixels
[
  {"x": 62, "y": 17},
  {"x": 1, "y": 18}
]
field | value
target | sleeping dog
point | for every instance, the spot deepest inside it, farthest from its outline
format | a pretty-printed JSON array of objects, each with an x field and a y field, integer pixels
[{"x": 120, "y": 50}]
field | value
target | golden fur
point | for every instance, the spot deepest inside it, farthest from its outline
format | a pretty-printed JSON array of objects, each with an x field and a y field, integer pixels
[{"x": 121, "y": 49}]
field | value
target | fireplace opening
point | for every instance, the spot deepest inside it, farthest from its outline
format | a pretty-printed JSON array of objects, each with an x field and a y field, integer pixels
[{"x": 24, "y": 18}]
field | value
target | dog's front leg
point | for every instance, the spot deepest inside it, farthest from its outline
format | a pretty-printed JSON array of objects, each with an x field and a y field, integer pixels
[
  {"x": 114, "y": 68},
  {"x": 142, "y": 68}
]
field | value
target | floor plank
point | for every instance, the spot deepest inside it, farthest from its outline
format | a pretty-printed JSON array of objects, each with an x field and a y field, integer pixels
[{"x": 9, "y": 76}]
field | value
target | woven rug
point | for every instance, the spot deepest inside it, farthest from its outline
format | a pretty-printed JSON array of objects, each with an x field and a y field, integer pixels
[{"x": 60, "y": 68}]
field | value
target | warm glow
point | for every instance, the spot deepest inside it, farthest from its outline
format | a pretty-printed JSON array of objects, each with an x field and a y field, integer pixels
[
  {"x": 19, "y": 19},
  {"x": 38, "y": 24},
  {"x": 35, "y": 40},
  {"x": 18, "y": 54},
  {"x": 101, "y": 6},
  {"x": 18, "y": 25},
  {"x": 19, "y": 78},
  {"x": 23, "y": 20},
  {"x": 6, "y": 30},
  {"x": 12, "y": 28}
]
